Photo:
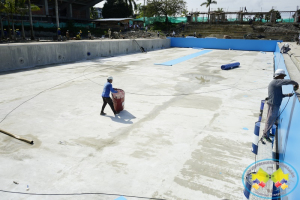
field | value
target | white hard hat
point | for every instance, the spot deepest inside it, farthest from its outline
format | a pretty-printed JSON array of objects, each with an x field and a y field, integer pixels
[
  {"x": 110, "y": 78},
  {"x": 286, "y": 45},
  {"x": 279, "y": 72}
]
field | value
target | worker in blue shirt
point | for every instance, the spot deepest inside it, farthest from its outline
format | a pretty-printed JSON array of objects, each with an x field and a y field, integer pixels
[{"x": 105, "y": 95}]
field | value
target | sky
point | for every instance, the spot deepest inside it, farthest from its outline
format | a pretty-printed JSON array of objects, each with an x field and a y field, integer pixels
[{"x": 234, "y": 5}]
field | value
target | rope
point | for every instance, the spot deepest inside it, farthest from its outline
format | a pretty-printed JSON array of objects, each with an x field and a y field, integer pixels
[
  {"x": 45, "y": 91},
  {"x": 76, "y": 194}
]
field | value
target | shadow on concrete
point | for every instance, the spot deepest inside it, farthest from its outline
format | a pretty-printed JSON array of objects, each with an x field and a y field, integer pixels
[{"x": 124, "y": 117}]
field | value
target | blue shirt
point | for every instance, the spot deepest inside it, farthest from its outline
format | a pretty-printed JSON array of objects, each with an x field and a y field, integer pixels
[{"x": 107, "y": 89}]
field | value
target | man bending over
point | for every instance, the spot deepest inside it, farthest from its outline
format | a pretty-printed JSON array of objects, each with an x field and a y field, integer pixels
[
  {"x": 274, "y": 100},
  {"x": 105, "y": 96}
]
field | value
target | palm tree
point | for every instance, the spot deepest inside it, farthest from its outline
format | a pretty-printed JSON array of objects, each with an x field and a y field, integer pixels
[
  {"x": 23, "y": 9},
  {"x": 9, "y": 8},
  {"x": 220, "y": 10},
  {"x": 30, "y": 20},
  {"x": 208, "y": 3},
  {"x": 1, "y": 25},
  {"x": 131, "y": 4}
]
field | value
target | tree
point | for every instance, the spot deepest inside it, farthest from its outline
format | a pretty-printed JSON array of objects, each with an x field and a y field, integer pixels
[
  {"x": 131, "y": 4},
  {"x": 140, "y": 11},
  {"x": 1, "y": 25},
  {"x": 165, "y": 8},
  {"x": 277, "y": 13},
  {"x": 22, "y": 8},
  {"x": 12, "y": 7},
  {"x": 184, "y": 12},
  {"x": 9, "y": 8},
  {"x": 220, "y": 10},
  {"x": 93, "y": 13},
  {"x": 116, "y": 9},
  {"x": 208, "y": 3}
]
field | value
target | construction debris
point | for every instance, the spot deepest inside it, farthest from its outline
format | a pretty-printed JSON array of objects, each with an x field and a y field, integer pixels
[
  {"x": 136, "y": 34},
  {"x": 277, "y": 28}
]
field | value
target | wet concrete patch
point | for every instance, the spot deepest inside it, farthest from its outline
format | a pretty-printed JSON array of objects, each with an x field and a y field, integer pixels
[
  {"x": 118, "y": 166},
  {"x": 205, "y": 77},
  {"x": 144, "y": 153},
  {"x": 199, "y": 102},
  {"x": 97, "y": 144},
  {"x": 10, "y": 145}
]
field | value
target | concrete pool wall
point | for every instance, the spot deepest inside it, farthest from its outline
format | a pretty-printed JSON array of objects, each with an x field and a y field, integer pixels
[
  {"x": 232, "y": 44},
  {"x": 289, "y": 126},
  {"x": 18, "y": 56}
]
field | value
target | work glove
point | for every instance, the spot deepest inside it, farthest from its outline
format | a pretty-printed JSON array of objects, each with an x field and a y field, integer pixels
[
  {"x": 296, "y": 87},
  {"x": 290, "y": 94}
]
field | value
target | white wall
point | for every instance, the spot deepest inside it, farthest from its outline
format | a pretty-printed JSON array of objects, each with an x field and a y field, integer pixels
[{"x": 18, "y": 56}]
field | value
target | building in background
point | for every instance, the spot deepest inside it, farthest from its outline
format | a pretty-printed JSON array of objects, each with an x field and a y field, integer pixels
[{"x": 77, "y": 10}]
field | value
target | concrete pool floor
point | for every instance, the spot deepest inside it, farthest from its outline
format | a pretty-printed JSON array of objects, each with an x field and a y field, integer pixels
[{"x": 186, "y": 131}]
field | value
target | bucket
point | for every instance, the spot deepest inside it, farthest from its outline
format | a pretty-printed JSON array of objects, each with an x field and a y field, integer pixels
[
  {"x": 255, "y": 138},
  {"x": 248, "y": 183}
]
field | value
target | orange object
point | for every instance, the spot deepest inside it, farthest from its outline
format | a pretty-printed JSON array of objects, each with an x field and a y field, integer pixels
[{"x": 118, "y": 99}]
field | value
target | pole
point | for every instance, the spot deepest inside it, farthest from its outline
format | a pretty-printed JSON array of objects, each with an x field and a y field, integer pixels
[
  {"x": 30, "y": 19},
  {"x": 56, "y": 13},
  {"x": 144, "y": 12},
  {"x": 2, "y": 32}
]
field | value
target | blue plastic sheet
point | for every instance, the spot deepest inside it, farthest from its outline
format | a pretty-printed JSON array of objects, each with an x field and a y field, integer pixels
[{"x": 184, "y": 58}]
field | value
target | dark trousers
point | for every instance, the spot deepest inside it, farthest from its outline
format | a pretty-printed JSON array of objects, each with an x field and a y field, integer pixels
[
  {"x": 271, "y": 118},
  {"x": 108, "y": 100}
]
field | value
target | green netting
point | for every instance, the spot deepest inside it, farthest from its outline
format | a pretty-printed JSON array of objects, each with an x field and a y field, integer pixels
[
  {"x": 151, "y": 20},
  {"x": 177, "y": 20}
]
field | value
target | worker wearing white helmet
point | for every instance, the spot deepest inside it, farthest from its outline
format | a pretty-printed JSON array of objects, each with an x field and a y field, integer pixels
[
  {"x": 285, "y": 48},
  {"x": 274, "y": 100},
  {"x": 105, "y": 95}
]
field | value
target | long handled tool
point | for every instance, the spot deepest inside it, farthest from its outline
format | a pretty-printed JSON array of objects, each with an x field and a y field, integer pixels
[
  {"x": 17, "y": 137},
  {"x": 141, "y": 48}
]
